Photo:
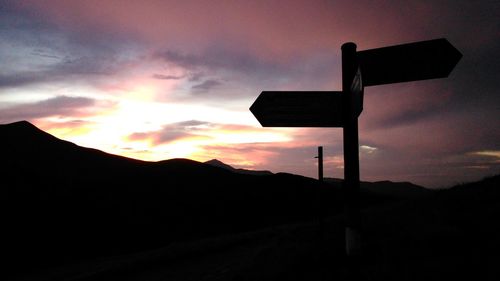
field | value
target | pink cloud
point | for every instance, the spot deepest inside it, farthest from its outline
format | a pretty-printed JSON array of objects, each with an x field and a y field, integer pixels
[
  {"x": 62, "y": 106},
  {"x": 273, "y": 29},
  {"x": 404, "y": 103},
  {"x": 172, "y": 132}
]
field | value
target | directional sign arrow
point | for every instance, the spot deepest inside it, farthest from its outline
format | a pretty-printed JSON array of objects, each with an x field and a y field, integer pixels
[
  {"x": 408, "y": 62},
  {"x": 298, "y": 109}
]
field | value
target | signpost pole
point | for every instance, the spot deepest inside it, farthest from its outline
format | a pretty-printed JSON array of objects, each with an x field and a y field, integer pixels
[
  {"x": 320, "y": 163},
  {"x": 318, "y": 204},
  {"x": 351, "y": 152}
]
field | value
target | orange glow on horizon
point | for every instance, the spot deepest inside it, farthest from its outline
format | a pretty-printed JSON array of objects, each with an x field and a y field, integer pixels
[{"x": 234, "y": 144}]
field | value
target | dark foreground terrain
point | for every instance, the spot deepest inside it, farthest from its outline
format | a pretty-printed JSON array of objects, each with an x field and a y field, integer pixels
[
  {"x": 452, "y": 236},
  {"x": 73, "y": 213}
]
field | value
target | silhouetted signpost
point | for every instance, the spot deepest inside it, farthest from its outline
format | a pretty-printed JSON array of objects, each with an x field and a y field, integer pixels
[
  {"x": 402, "y": 63},
  {"x": 408, "y": 62},
  {"x": 298, "y": 109}
]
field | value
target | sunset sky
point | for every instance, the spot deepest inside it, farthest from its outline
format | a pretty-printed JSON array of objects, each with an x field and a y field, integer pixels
[{"x": 156, "y": 79}]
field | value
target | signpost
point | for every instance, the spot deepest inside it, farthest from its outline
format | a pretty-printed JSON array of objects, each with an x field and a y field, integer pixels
[
  {"x": 298, "y": 109},
  {"x": 394, "y": 64},
  {"x": 408, "y": 62}
]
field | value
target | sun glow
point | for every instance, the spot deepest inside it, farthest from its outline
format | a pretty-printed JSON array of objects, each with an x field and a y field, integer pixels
[
  {"x": 69, "y": 132},
  {"x": 249, "y": 137},
  {"x": 196, "y": 130},
  {"x": 180, "y": 150},
  {"x": 141, "y": 92}
]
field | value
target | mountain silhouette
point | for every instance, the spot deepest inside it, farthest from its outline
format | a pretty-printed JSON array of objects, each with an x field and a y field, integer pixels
[
  {"x": 403, "y": 190},
  {"x": 65, "y": 202},
  {"x": 386, "y": 190},
  {"x": 62, "y": 202}
]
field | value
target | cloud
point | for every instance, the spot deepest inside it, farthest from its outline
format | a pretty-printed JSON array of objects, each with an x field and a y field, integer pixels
[
  {"x": 207, "y": 133},
  {"x": 36, "y": 50},
  {"x": 271, "y": 28},
  {"x": 20, "y": 79},
  {"x": 172, "y": 132},
  {"x": 404, "y": 103},
  {"x": 217, "y": 57},
  {"x": 69, "y": 70},
  {"x": 237, "y": 74},
  {"x": 206, "y": 85},
  {"x": 70, "y": 124},
  {"x": 193, "y": 124},
  {"x": 403, "y": 118},
  {"x": 166, "y": 77},
  {"x": 218, "y": 63},
  {"x": 58, "y": 106},
  {"x": 367, "y": 149},
  {"x": 93, "y": 50},
  {"x": 489, "y": 153},
  {"x": 222, "y": 60},
  {"x": 166, "y": 135}
]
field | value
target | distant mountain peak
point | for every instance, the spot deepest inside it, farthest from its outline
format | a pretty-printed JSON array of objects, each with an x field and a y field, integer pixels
[
  {"x": 220, "y": 164},
  {"x": 214, "y": 161}
]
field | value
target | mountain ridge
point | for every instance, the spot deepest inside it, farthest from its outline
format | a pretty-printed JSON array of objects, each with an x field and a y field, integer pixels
[
  {"x": 24, "y": 129},
  {"x": 63, "y": 202},
  {"x": 220, "y": 164},
  {"x": 57, "y": 193},
  {"x": 26, "y": 141}
]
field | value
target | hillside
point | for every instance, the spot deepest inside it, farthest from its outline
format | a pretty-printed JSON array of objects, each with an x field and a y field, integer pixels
[
  {"x": 62, "y": 202},
  {"x": 451, "y": 235},
  {"x": 66, "y": 204}
]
